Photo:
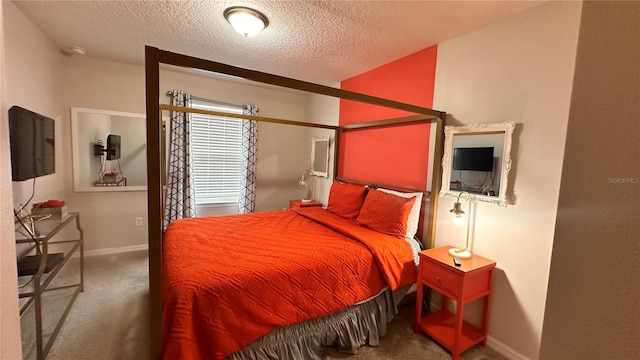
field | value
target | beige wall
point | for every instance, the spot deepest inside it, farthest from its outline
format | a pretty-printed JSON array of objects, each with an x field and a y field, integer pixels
[
  {"x": 9, "y": 320},
  {"x": 521, "y": 70},
  {"x": 107, "y": 218},
  {"x": 30, "y": 78},
  {"x": 34, "y": 83},
  {"x": 592, "y": 307}
]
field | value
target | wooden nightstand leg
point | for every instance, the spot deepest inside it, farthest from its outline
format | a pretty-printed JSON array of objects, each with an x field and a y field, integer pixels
[
  {"x": 485, "y": 319},
  {"x": 484, "y": 327},
  {"x": 455, "y": 352}
]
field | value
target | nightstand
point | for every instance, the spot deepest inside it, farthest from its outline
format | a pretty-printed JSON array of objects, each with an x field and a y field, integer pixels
[
  {"x": 471, "y": 281},
  {"x": 297, "y": 204}
]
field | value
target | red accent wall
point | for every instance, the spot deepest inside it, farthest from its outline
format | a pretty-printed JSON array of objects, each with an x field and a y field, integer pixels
[{"x": 392, "y": 155}]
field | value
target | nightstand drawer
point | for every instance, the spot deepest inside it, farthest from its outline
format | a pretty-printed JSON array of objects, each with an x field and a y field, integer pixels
[{"x": 439, "y": 278}]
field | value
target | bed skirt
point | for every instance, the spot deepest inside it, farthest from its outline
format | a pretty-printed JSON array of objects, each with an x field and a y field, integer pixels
[{"x": 349, "y": 329}]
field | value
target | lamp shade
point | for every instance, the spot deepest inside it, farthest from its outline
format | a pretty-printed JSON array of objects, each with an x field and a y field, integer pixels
[{"x": 246, "y": 21}]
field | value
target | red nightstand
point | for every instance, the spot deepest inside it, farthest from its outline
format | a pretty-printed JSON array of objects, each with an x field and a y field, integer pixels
[
  {"x": 471, "y": 281},
  {"x": 296, "y": 204}
]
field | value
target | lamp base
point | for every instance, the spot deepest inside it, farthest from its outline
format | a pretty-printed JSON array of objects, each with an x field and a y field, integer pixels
[
  {"x": 461, "y": 253},
  {"x": 306, "y": 200}
]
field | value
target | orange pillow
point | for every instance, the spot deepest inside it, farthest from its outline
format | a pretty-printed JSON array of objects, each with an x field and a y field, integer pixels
[
  {"x": 386, "y": 213},
  {"x": 346, "y": 199}
]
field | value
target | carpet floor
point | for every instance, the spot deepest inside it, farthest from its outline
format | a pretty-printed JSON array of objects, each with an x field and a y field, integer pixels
[{"x": 109, "y": 320}]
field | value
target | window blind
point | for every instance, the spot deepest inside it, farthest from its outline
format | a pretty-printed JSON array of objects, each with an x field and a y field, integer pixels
[{"x": 216, "y": 143}]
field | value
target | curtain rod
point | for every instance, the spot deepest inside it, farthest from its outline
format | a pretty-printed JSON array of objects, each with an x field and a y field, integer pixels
[{"x": 170, "y": 93}]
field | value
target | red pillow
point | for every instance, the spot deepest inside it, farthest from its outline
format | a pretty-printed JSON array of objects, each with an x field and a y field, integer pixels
[
  {"x": 346, "y": 199},
  {"x": 386, "y": 213}
]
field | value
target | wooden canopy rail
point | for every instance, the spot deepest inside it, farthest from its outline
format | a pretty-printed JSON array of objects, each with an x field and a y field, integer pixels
[
  {"x": 153, "y": 58},
  {"x": 338, "y": 129},
  {"x": 381, "y": 185},
  {"x": 244, "y": 117},
  {"x": 387, "y": 122},
  {"x": 369, "y": 124}
]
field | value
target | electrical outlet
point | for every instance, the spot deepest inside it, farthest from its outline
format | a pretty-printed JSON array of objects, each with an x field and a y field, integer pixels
[{"x": 139, "y": 221}]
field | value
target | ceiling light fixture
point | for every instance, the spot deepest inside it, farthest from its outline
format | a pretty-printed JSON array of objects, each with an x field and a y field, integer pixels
[
  {"x": 77, "y": 50},
  {"x": 246, "y": 21}
]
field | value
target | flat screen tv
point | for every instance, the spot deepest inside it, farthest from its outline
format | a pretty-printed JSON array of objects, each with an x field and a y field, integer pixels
[
  {"x": 474, "y": 159},
  {"x": 113, "y": 147},
  {"x": 32, "y": 142}
]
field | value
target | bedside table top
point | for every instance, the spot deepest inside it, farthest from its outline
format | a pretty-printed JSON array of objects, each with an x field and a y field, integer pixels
[
  {"x": 441, "y": 254},
  {"x": 299, "y": 203}
]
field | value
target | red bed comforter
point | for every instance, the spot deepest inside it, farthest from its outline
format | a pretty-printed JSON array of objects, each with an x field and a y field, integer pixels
[{"x": 229, "y": 280}]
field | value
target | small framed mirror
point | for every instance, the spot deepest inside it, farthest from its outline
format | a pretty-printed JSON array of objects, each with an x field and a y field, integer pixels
[
  {"x": 320, "y": 156},
  {"x": 109, "y": 150},
  {"x": 477, "y": 159}
]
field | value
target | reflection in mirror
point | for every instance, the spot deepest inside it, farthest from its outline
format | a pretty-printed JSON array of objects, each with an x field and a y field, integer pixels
[
  {"x": 109, "y": 151},
  {"x": 477, "y": 160},
  {"x": 320, "y": 156}
]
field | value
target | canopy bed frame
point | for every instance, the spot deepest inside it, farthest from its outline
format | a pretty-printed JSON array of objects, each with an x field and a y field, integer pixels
[{"x": 154, "y": 57}]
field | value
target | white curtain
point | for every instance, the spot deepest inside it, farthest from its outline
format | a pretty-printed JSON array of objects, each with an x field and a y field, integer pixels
[
  {"x": 180, "y": 195},
  {"x": 247, "y": 203}
]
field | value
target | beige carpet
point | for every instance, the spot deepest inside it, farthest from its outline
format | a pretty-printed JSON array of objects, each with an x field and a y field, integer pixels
[{"x": 110, "y": 320}]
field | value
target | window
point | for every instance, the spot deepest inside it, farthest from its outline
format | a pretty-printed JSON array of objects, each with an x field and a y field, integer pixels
[{"x": 216, "y": 143}]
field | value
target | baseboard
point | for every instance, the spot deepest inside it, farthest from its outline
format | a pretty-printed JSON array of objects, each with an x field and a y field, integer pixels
[
  {"x": 504, "y": 350},
  {"x": 492, "y": 342},
  {"x": 118, "y": 250}
]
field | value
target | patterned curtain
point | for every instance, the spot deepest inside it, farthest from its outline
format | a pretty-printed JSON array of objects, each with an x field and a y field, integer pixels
[
  {"x": 247, "y": 203},
  {"x": 180, "y": 195}
]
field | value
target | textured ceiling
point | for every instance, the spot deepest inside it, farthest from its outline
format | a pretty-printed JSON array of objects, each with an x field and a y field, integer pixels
[{"x": 317, "y": 41}]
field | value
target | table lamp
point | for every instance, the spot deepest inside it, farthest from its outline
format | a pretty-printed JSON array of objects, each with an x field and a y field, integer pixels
[
  {"x": 459, "y": 220},
  {"x": 306, "y": 183}
]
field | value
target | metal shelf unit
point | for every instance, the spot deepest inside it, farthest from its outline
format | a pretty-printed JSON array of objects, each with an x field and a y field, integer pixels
[{"x": 47, "y": 271}]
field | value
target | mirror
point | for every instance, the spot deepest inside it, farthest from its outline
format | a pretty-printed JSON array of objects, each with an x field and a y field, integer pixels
[
  {"x": 320, "y": 156},
  {"x": 477, "y": 159},
  {"x": 109, "y": 150}
]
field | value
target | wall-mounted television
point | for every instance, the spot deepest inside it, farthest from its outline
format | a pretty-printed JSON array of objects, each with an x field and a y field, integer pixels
[
  {"x": 473, "y": 158},
  {"x": 113, "y": 147},
  {"x": 32, "y": 141}
]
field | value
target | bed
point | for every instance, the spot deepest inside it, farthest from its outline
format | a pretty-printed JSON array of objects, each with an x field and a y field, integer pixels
[
  {"x": 279, "y": 284},
  {"x": 370, "y": 313}
]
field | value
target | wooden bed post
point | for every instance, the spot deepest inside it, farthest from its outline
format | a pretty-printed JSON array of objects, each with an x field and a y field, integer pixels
[
  {"x": 436, "y": 183},
  {"x": 336, "y": 152},
  {"x": 154, "y": 198}
]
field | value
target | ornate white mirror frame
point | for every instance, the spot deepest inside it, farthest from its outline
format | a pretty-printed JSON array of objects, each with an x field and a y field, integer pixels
[
  {"x": 502, "y": 160},
  {"x": 320, "y": 156}
]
